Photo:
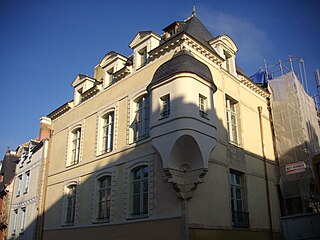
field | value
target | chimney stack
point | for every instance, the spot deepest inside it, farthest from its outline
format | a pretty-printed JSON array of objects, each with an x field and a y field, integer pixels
[{"x": 45, "y": 128}]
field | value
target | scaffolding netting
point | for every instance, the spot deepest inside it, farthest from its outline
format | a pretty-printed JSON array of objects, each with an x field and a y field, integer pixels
[{"x": 297, "y": 134}]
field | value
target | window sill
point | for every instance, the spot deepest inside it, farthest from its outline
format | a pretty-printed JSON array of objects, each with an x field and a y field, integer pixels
[
  {"x": 204, "y": 115},
  {"x": 104, "y": 153},
  {"x": 136, "y": 217},
  {"x": 67, "y": 224},
  {"x": 234, "y": 144},
  {"x": 101, "y": 221},
  {"x": 163, "y": 117},
  {"x": 72, "y": 165}
]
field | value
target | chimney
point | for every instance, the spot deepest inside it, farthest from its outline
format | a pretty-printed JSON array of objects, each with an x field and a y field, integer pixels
[{"x": 45, "y": 128}]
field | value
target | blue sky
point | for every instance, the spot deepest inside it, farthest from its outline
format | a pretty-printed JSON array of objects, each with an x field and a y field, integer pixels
[{"x": 45, "y": 44}]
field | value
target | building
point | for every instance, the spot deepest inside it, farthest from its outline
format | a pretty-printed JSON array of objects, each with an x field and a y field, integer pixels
[
  {"x": 172, "y": 142},
  {"x": 8, "y": 167},
  {"x": 297, "y": 135},
  {"x": 29, "y": 185}
]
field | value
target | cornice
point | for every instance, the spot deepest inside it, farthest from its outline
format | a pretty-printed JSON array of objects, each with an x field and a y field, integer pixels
[
  {"x": 60, "y": 111},
  {"x": 178, "y": 41},
  {"x": 254, "y": 87}
]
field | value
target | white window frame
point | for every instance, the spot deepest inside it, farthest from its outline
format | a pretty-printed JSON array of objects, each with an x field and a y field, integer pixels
[
  {"x": 23, "y": 219},
  {"x": 107, "y": 132},
  {"x": 75, "y": 140},
  {"x": 228, "y": 59},
  {"x": 203, "y": 106},
  {"x": 26, "y": 182},
  {"x": 142, "y": 108},
  {"x": 142, "y": 196},
  {"x": 78, "y": 94},
  {"x": 109, "y": 77},
  {"x": 19, "y": 183},
  {"x": 70, "y": 203},
  {"x": 165, "y": 106},
  {"x": 107, "y": 200},
  {"x": 14, "y": 222},
  {"x": 232, "y": 121},
  {"x": 142, "y": 56}
]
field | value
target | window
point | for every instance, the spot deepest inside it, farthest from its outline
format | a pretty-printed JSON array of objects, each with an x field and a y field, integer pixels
[
  {"x": 165, "y": 106},
  {"x": 70, "y": 204},
  {"x": 110, "y": 77},
  {"x": 203, "y": 106},
  {"x": 142, "y": 118},
  {"x": 78, "y": 97},
  {"x": 228, "y": 61},
  {"x": 104, "y": 196},
  {"x": 75, "y": 146},
  {"x": 240, "y": 218},
  {"x": 19, "y": 185},
  {"x": 142, "y": 57},
  {"x": 14, "y": 222},
  {"x": 26, "y": 182},
  {"x": 107, "y": 132},
  {"x": 140, "y": 191},
  {"x": 22, "y": 221},
  {"x": 232, "y": 121}
]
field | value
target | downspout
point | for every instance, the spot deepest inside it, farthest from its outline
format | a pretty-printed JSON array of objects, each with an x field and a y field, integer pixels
[
  {"x": 40, "y": 222},
  {"x": 265, "y": 171}
]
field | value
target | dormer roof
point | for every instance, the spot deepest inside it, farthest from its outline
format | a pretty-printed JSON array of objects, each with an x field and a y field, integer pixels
[
  {"x": 82, "y": 78},
  {"x": 111, "y": 56},
  {"x": 227, "y": 42},
  {"x": 141, "y": 37},
  {"x": 194, "y": 28}
]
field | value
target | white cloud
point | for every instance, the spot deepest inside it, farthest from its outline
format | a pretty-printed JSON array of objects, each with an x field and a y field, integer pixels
[{"x": 252, "y": 42}]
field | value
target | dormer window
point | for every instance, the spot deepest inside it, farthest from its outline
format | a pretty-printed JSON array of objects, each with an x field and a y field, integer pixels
[
  {"x": 109, "y": 79},
  {"x": 227, "y": 50},
  {"x": 79, "y": 95},
  {"x": 172, "y": 29},
  {"x": 142, "y": 44},
  {"x": 228, "y": 61},
  {"x": 142, "y": 57}
]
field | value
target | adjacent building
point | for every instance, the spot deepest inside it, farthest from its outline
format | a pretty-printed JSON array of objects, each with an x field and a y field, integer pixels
[
  {"x": 171, "y": 142},
  {"x": 8, "y": 167},
  {"x": 29, "y": 184}
]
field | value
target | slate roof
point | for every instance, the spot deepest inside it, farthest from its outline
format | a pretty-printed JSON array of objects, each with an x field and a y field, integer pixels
[
  {"x": 182, "y": 62},
  {"x": 196, "y": 29},
  {"x": 8, "y": 170}
]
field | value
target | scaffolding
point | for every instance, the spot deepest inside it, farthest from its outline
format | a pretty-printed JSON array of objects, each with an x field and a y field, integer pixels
[{"x": 296, "y": 128}]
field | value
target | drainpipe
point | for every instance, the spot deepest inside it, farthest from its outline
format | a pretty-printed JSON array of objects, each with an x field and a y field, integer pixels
[
  {"x": 40, "y": 220},
  {"x": 265, "y": 171}
]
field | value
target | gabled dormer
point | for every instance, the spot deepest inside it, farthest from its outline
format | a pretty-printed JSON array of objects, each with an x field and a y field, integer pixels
[
  {"x": 81, "y": 84},
  {"x": 143, "y": 42},
  {"x": 227, "y": 49},
  {"x": 110, "y": 64}
]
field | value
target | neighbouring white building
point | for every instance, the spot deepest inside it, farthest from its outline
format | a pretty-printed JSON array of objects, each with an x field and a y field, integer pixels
[{"x": 29, "y": 186}]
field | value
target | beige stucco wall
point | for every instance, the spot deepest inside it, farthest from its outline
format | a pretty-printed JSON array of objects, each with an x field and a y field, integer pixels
[{"x": 210, "y": 206}]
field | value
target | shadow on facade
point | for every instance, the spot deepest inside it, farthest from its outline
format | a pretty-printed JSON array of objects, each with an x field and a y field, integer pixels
[{"x": 165, "y": 217}]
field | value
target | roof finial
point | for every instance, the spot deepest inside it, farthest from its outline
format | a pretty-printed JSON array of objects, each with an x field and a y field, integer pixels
[{"x": 194, "y": 12}]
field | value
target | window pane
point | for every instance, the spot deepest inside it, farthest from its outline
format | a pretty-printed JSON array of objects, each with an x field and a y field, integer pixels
[
  {"x": 136, "y": 188},
  {"x": 136, "y": 205},
  {"x": 238, "y": 193},
  {"x": 145, "y": 186},
  {"x": 145, "y": 203}
]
